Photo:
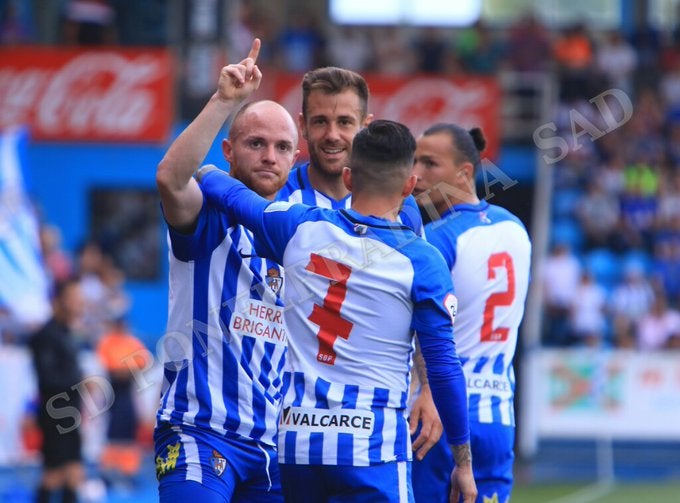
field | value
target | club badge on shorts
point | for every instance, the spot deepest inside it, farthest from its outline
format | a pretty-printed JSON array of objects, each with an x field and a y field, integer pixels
[{"x": 218, "y": 463}]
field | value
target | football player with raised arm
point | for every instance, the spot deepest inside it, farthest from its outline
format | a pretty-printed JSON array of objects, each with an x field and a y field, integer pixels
[{"x": 224, "y": 352}]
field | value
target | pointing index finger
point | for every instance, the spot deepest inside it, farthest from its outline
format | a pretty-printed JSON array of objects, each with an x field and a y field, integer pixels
[{"x": 255, "y": 50}]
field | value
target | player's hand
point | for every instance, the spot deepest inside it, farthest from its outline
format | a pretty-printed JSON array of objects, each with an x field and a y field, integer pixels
[
  {"x": 240, "y": 80},
  {"x": 463, "y": 485},
  {"x": 424, "y": 411}
]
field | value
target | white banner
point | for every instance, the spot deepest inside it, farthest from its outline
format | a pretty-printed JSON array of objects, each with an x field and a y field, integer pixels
[{"x": 603, "y": 393}]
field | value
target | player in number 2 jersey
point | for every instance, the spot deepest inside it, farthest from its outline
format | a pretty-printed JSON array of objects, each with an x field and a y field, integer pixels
[
  {"x": 358, "y": 285},
  {"x": 488, "y": 252}
]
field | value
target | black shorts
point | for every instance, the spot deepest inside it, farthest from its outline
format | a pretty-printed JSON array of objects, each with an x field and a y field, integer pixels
[{"x": 58, "y": 448}]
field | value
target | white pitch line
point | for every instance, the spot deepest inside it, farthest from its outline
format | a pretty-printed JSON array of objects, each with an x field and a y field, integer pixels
[{"x": 588, "y": 494}]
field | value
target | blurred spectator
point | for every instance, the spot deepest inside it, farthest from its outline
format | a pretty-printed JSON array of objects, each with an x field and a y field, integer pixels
[
  {"x": 16, "y": 23},
  {"x": 48, "y": 17},
  {"x": 300, "y": 44},
  {"x": 103, "y": 292},
  {"x": 242, "y": 27},
  {"x": 479, "y": 51},
  {"x": 349, "y": 47},
  {"x": 669, "y": 88},
  {"x": 656, "y": 328},
  {"x": 90, "y": 259},
  {"x": 666, "y": 264},
  {"x": 630, "y": 301},
  {"x": 141, "y": 22},
  {"x": 247, "y": 21},
  {"x": 574, "y": 54},
  {"x": 647, "y": 41},
  {"x": 617, "y": 60},
  {"x": 649, "y": 116},
  {"x": 55, "y": 357},
  {"x": 669, "y": 198},
  {"x": 670, "y": 55},
  {"x": 610, "y": 174},
  {"x": 587, "y": 320},
  {"x": 598, "y": 214},
  {"x": 639, "y": 204},
  {"x": 116, "y": 301},
  {"x": 90, "y": 22},
  {"x": 121, "y": 354},
  {"x": 673, "y": 142},
  {"x": 393, "y": 52},
  {"x": 561, "y": 272},
  {"x": 59, "y": 264},
  {"x": 528, "y": 45},
  {"x": 431, "y": 51}
]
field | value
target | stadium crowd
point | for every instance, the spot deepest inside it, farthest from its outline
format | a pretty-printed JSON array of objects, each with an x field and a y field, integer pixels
[
  {"x": 612, "y": 277},
  {"x": 616, "y": 212}
]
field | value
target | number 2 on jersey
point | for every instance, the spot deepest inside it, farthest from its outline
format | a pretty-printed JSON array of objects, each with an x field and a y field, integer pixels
[
  {"x": 498, "y": 299},
  {"x": 331, "y": 324}
]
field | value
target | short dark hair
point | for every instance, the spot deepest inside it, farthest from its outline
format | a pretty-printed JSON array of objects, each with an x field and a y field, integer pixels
[
  {"x": 334, "y": 80},
  {"x": 382, "y": 156},
  {"x": 59, "y": 288},
  {"x": 468, "y": 144}
]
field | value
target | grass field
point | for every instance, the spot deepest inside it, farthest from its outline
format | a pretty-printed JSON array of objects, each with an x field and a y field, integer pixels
[{"x": 659, "y": 492}]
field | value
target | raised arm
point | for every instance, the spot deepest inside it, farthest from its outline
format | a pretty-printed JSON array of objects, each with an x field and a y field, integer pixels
[{"x": 179, "y": 192}]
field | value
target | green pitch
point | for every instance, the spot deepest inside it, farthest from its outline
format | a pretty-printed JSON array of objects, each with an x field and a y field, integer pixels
[{"x": 661, "y": 492}]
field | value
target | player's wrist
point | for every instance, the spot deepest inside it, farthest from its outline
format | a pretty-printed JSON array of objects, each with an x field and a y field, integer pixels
[
  {"x": 228, "y": 102},
  {"x": 462, "y": 455}
]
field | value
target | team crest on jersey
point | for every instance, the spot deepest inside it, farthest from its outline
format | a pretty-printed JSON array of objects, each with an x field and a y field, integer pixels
[
  {"x": 451, "y": 305},
  {"x": 274, "y": 279},
  {"x": 218, "y": 463}
]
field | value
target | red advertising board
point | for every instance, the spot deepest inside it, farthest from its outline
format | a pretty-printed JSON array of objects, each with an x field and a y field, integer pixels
[
  {"x": 88, "y": 95},
  {"x": 419, "y": 102}
]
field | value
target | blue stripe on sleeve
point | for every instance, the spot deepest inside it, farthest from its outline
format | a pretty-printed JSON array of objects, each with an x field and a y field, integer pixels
[{"x": 380, "y": 399}]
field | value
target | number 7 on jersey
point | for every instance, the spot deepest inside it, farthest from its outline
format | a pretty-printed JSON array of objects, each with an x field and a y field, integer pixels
[{"x": 327, "y": 317}]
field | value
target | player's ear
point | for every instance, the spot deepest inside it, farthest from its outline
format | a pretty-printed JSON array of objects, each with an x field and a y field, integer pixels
[
  {"x": 409, "y": 185},
  {"x": 347, "y": 178},
  {"x": 227, "y": 150},
  {"x": 368, "y": 120},
  {"x": 302, "y": 126}
]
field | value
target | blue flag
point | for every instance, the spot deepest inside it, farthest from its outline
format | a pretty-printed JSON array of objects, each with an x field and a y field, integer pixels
[{"x": 23, "y": 280}]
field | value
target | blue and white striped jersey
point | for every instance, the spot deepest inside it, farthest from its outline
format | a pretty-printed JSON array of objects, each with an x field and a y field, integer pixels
[
  {"x": 298, "y": 189},
  {"x": 226, "y": 339},
  {"x": 357, "y": 288},
  {"x": 489, "y": 252}
]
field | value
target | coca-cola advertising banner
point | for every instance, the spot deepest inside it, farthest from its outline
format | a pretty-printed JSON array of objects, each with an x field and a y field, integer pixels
[
  {"x": 420, "y": 102},
  {"x": 62, "y": 94}
]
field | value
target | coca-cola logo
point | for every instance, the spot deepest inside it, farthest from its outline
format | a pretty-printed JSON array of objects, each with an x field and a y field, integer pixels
[
  {"x": 421, "y": 101},
  {"x": 92, "y": 95}
]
